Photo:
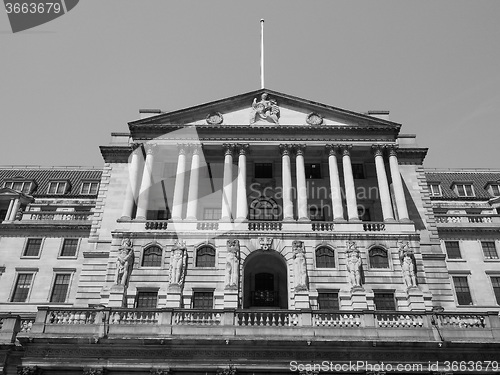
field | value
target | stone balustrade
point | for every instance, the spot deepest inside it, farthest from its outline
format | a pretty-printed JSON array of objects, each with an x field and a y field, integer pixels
[
  {"x": 56, "y": 216},
  {"x": 265, "y": 225},
  {"x": 373, "y": 227},
  {"x": 322, "y": 226},
  {"x": 467, "y": 219}
]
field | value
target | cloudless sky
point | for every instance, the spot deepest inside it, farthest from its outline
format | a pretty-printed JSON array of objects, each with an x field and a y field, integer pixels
[{"x": 66, "y": 85}]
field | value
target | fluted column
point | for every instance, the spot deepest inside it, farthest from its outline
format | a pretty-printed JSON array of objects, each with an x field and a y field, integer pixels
[
  {"x": 192, "y": 204},
  {"x": 180, "y": 176},
  {"x": 241, "y": 201},
  {"x": 146, "y": 183},
  {"x": 383, "y": 185},
  {"x": 338, "y": 211},
  {"x": 227, "y": 183},
  {"x": 397, "y": 184},
  {"x": 350, "y": 189},
  {"x": 301, "y": 183},
  {"x": 133, "y": 183},
  {"x": 286, "y": 170}
]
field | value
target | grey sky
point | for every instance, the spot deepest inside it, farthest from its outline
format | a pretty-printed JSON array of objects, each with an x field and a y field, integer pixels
[{"x": 435, "y": 65}]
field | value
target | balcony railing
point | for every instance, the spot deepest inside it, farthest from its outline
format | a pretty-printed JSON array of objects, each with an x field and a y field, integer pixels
[
  {"x": 373, "y": 227},
  {"x": 265, "y": 225},
  {"x": 467, "y": 219},
  {"x": 57, "y": 215}
]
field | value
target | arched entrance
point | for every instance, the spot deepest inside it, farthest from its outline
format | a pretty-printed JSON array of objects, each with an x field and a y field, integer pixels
[{"x": 265, "y": 280}]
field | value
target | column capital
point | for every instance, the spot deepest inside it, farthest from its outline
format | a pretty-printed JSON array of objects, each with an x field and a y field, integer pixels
[
  {"x": 345, "y": 149},
  {"x": 299, "y": 149},
  {"x": 393, "y": 150},
  {"x": 228, "y": 148},
  {"x": 285, "y": 149},
  {"x": 135, "y": 145},
  {"x": 195, "y": 148},
  {"x": 183, "y": 148},
  {"x": 378, "y": 149},
  {"x": 332, "y": 149},
  {"x": 150, "y": 148},
  {"x": 243, "y": 148}
]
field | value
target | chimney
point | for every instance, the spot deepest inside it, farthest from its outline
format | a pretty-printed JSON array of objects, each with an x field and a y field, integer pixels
[
  {"x": 145, "y": 113},
  {"x": 384, "y": 115}
]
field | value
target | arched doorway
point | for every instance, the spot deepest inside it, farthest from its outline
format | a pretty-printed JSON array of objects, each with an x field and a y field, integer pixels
[{"x": 265, "y": 280}]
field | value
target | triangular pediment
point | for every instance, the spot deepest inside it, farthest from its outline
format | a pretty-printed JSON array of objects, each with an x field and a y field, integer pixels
[{"x": 250, "y": 109}]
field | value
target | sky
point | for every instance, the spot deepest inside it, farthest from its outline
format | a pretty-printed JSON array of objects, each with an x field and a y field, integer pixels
[{"x": 435, "y": 65}]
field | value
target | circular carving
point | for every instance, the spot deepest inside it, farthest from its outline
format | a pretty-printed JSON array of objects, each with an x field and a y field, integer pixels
[
  {"x": 314, "y": 119},
  {"x": 214, "y": 118}
]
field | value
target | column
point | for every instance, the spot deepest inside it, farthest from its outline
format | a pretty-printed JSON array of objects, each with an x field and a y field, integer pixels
[
  {"x": 241, "y": 201},
  {"x": 9, "y": 211},
  {"x": 180, "y": 176},
  {"x": 146, "y": 183},
  {"x": 15, "y": 208},
  {"x": 338, "y": 211},
  {"x": 133, "y": 184},
  {"x": 350, "y": 189},
  {"x": 397, "y": 184},
  {"x": 383, "y": 185},
  {"x": 227, "y": 183},
  {"x": 301, "y": 183},
  {"x": 192, "y": 204},
  {"x": 286, "y": 170}
]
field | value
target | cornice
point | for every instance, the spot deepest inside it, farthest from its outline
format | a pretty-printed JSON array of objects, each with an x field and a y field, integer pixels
[
  {"x": 48, "y": 229},
  {"x": 116, "y": 154},
  {"x": 96, "y": 254}
]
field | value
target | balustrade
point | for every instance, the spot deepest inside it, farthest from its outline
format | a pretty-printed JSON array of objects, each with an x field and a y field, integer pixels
[
  {"x": 395, "y": 320},
  {"x": 72, "y": 316},
  {"x": 462, "y": 320},
  {"x": 464, "y": 218},
  {"x": 156, "y": 224},
  {"x": 268, "y": 318},
  {"x": 373, "y": 227},
  {"x": 321, "y": 226},
  {"x": 193, "y": 317},
  {"x": 134, "y": 316},
  {"x": 336, "y": 320},
  {"x": 264, "y": 225},
  {"x": 207, "y": 225},
  {"x": 57, "y": 215}
]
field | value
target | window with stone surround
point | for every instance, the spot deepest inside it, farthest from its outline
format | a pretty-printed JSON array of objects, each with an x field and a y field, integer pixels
[
  {"x": 384, "y": 301},
  {"x": 57, "y": 187},
  {"x": 203, "y": 299},
  {"x": 495, "y": 282},
  {"x": 453, "y": 249},
  {"x": 23, "y": 186},
  {"x": 22, "y": 288},
  {"x": 462, "y": 290},
  {"x": 151, "y": 257},
  {"x": 325, "y": 257},
  {"x": 32, "y": 247},
  {"x": 378, "y": 258},
  {"x": 60, "y": 287},
  {"x": 205, "y": 256},
  {"x": 69, "y": 247},
  {"x": 89, "y": 188},
  {"x": 489, "y": 249},
  {"x": 464, "y": 189},
  {"x": 328, "y": 300},
  {"x": 146, "y": 299}
]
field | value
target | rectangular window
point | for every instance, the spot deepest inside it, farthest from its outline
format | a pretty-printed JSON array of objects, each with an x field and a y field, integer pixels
[
  {"x": 495, "y": 190},
  {"x": 464, "y": 190},
  {"x": 384, "y": 301},
  {"x": 263, "y": 170},
  {"x": 22, "y": 288},
  {"x": 203, "y": 300},
  {"x": 453, "y": 249},
  {"x": 328, "y": 300},
  {"x": 313, "y": 170},
  {"x": 33, "y": 246},
  {"x": 23, "y": 186},
  {"x": 462, "y": 290},
  {"x": 489, "y": 249},
  {"x": 316, "y": 214},
  {"x": 495, "y": 281},
  {"x": 57, "y": 187},
  {"x": 358, "y": 171},
  {"x": 146, "y": 299},
  {"x": 212, "y": 214},
  {"x": 90, "y": 188},
  {"x": 435, "y": 190},
  {"x": 69, "y": 247},
  {"x": 60, "y": 289}
]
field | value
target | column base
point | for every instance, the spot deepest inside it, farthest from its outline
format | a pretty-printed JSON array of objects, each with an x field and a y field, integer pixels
[
  {"x": 288, "y": 219},
  {"x": 390, "y": 220},
  {"x": 406, "y": 220},
  {"x": 140, "y": 218},
  {"x": 190, "y": 218},
  {"x": 125, "y": 218},
  {"x": 355, "y": 220},
  {"x": 304, "y": 219},
  {"x": 340, "y": 220}
]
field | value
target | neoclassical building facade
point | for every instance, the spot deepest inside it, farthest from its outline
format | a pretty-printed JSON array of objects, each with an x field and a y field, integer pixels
[{"x": 258, "y": 234}]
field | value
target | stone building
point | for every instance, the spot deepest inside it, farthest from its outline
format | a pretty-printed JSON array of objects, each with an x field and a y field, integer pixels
[{"x": 258, "y": 234}]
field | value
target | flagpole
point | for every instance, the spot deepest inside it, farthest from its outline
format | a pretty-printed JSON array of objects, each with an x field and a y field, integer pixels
[{"x": 262, "y": 53}]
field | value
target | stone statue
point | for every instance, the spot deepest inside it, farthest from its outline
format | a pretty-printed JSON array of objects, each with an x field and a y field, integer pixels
[
  {"x": 408, "y": 264},
  {"x": 299, "y": 265},
  {"x": 124, "y": 262},
  {"x": 232, "y": 264},
  {"x": 178, "y": 263},
  {"x": 265, "y": 109},
  {"x": 354, "y": 265}
]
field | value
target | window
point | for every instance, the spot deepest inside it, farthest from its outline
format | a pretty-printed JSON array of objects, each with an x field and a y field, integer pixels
[
  {"x": 33, "y": 246},
  {"x": 69, "y": 247},
  {"x": 495, "y": 190},
  {"x": 384, "y": 301},
  {"x": 57, "y": 187},
  {"x": 263, "y": 170},
  {"x": 489, "y": 249},
  {"x": 313, "y": 170},
  {"x": 452, "y": 249},
  {"x": 151, "y": 257},
  {"x": 462, "y": 290},
  {"x": 328, "y": 300},
  {"x": 325, "y": 257},
  {"x": 205, "y": 257},
  {"x": 358, "y": 171},
  {"x": 364, "y": 213},
  {"x": 146, "y": 299},
  {"x": 212, "y": 214},
  {"x": 495, "y": 281},
  {"x": 435, "y": 190},
  {"x": 22, "y": 186},
  {"x": 203, "y": 300},
  {"x": 378, "y": 258},
  {"x": 315, "y": 213},
  {"x": 22, "y": 288},
  {"x": 90, "y": 188},
  {"x": 60, "y": 289},
  {"x": 464, "y": 190},
  {"x": 263, "y": 209}
]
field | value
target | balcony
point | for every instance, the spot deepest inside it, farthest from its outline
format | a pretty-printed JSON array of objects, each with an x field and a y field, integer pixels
[
  {"x": 467, "y": 221},
  {"x": 116, "y": 323}
]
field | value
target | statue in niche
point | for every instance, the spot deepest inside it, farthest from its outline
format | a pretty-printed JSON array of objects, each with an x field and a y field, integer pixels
[
  {"x": 232, "y": 264},
  {"x": 178, "y": 263},
  {"x": 265, "y": 109},
  {"x": 354, "y": 265},
  {"x": 124, "y": 262},
  {"x": 299, "y": 265},
  {"x": 408, "y": 264}
]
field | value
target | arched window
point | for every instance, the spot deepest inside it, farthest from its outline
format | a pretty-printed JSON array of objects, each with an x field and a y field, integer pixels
[
  {"x": 378, "y": 258},
  {"x": 325, "y": 257},
  {"x": 264, "y": 209},
  {"x": 205, "y": 256},
  {"x": 151, "y": 257}
]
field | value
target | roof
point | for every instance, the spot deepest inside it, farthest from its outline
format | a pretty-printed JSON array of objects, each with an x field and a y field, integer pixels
[
  {"x": 43, "y": 175},
  {"x": 478, "y": 179}
]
